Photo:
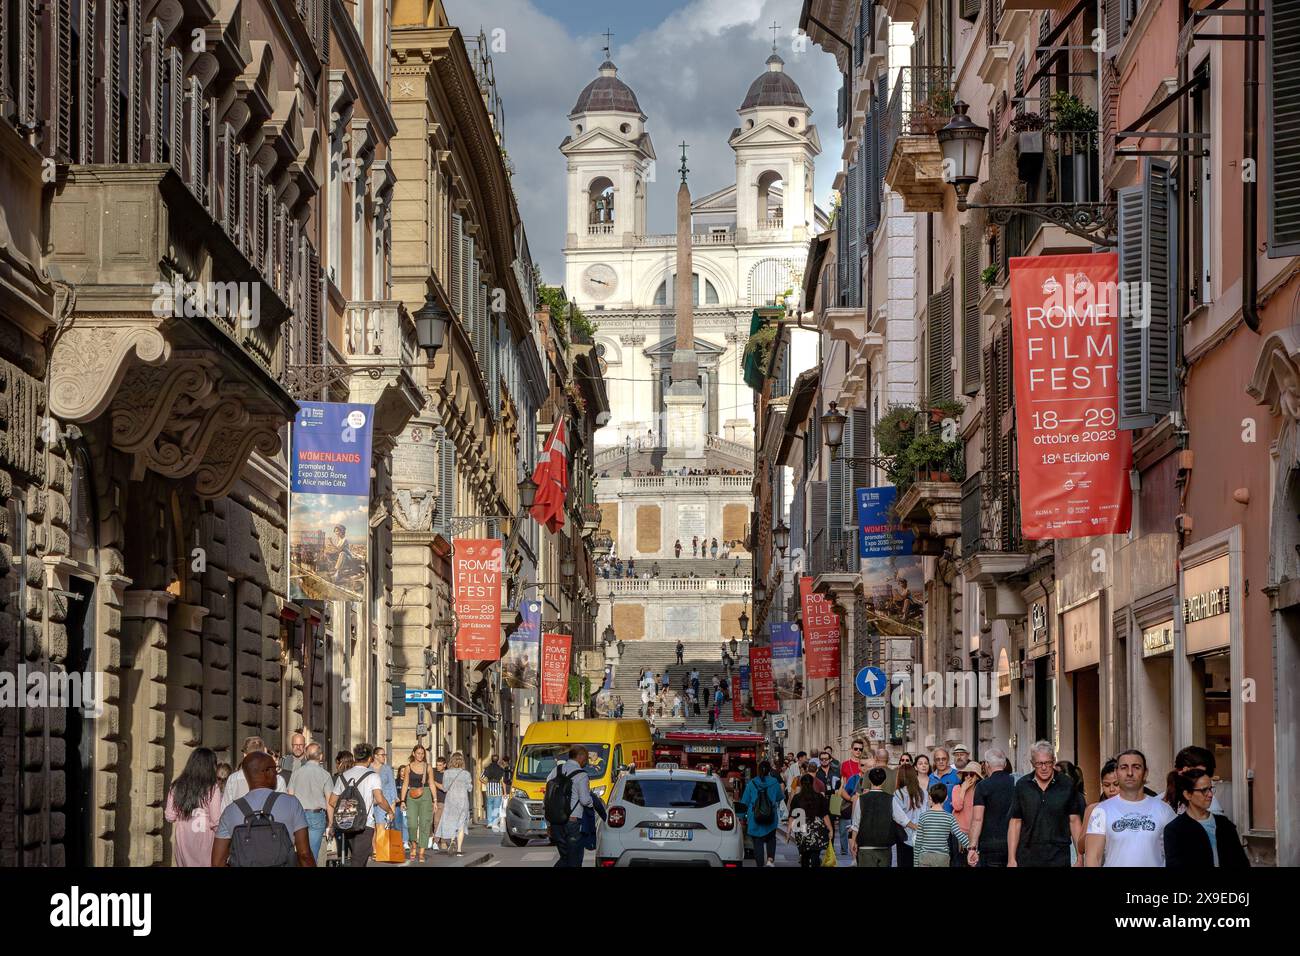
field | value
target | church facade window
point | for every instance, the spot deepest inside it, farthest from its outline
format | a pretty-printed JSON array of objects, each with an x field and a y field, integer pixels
[{"x": 663, "y": 296}]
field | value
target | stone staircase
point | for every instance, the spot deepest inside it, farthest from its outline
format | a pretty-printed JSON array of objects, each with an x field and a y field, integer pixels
[{"x": 658, "y": 656}]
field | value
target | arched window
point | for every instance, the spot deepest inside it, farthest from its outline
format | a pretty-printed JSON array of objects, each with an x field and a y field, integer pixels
[
  {"x": 663, "y": 295},
  {"x": 769, "y": 199},
  {"x": 600, "y": 202}
]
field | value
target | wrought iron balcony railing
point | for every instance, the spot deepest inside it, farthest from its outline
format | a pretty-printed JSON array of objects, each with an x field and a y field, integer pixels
[
  {"x": 990, "y": 513},
  {"x": 920, "y": 103}
]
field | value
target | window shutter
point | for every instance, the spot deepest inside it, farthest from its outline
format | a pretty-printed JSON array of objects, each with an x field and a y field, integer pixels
[
  {"x": 323, "y": 12},
  {"x": 1006, "y": 419},
  {"x": 446, "y": 482},
  {"x": 939, "y": 347},
  {"x": 62, "y": 94},
  {"x": 28, "y": 37},
  {"x": 1283, "y": 137},
  {"x": 846, "y": 472},
  {"x": 176, "y": 89},
  {"x": 861, "y": 419},
  {"x": 315, "y": 320},
  {"x": 89, "y": 48},
  {"x": 971, "y": 319},
  {"x": 1020, "y": 85},
  {"x": 817, "y": 521},
  {"x": 871, "y": 177},
  {"x": 456, "y": 269},
  {"x": 852, "y": 217},
  {"x": 970, "y": 10},
  {"x": 1146, "y": 263},
  {"x": 114, "y": 25}
]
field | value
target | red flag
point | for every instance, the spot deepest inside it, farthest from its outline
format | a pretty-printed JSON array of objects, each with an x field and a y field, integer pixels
[{"x": 552, "y": 479}]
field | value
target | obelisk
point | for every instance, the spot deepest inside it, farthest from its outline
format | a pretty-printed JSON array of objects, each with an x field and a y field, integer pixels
[{"x": 684, "y": 402}]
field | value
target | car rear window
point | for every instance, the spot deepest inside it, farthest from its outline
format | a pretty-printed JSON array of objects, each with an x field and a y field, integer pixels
[{"x": 659, "y": 794}]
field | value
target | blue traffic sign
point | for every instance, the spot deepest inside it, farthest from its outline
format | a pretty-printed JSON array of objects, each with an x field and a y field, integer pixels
[
  {"x": 870, "y": 682},
  {"x": 416, "y": 696}
]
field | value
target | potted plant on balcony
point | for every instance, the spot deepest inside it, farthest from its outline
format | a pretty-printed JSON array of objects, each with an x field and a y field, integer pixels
[
  {"x": 930, "y": 458},
  {"x": 574, "y": 394},
  {"x": 934, "y": 112},
  {"x": 989, "y": 276},
  {"x": 1073, "y": 121}
]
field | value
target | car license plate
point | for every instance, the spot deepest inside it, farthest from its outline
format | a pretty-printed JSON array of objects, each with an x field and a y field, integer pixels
[
  {"x": 660, "y": 834},
  {"x": 537, "y": 824}
]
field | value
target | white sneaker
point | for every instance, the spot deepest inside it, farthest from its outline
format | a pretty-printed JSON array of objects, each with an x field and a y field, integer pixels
[{"x": 770, "y": 863}]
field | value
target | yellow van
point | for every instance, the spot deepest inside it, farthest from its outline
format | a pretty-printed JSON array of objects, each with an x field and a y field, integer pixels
[{"x": 611, "y": 745}]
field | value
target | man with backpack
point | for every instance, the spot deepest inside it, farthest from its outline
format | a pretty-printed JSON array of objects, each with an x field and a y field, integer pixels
[
  {"x": 356, "y": 794},
  {"x": 263, "y": 827},
  {"x": 566, "y": 799}
]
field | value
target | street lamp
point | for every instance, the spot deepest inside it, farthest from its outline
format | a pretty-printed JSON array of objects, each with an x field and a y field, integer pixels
[
  {"x": 608, "y": 636},
  {"x": 567, "y": 568},
  {"x": 430, "y": 326},
  {"x": 961, "y": 142},
  {"x": 760, "y": 593},
  {"x": 962, "y": 145},
  {"x": 781, "y": 538},
  {"x": 833, "y": 428},
  {"x": 527, "y": 493}
]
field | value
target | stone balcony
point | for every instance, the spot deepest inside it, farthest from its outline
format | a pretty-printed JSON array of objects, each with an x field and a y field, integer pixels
[
  {"x": 173, "y": 331},
  {"x": 919, "y": 104},
  {"x": 379, "y": 340},
  {"x": 933, "y": 510}
]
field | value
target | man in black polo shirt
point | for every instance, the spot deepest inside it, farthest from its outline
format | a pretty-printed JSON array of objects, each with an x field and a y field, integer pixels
[
  {"x": 1046, "y": 814},
  {"x": 993, "y": 798}
]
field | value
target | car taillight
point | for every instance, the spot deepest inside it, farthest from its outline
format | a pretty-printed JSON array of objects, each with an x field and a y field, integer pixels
[
  {"x": 730, "y": 866},
  {"x": 726, "y": 820},
  {"x": 617, "y": 817},
  {"x": 606, "y": 861}
]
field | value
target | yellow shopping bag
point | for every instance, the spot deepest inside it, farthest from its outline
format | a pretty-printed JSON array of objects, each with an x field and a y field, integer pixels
[{"x": 828, "y": 858}]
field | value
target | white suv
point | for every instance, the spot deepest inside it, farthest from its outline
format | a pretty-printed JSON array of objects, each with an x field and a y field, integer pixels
[{"x": 670, "y": 818}]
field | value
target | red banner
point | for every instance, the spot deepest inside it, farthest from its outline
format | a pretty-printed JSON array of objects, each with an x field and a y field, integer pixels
[
  {"x": 760, "y": 675},
  {"x": 555, "y": 668},
  {"x": 1074, "y": 460},
  {"x": 737, "y": 702},
  {"x": 821, "y": 633},
  {"x": 476, "y": 584}
]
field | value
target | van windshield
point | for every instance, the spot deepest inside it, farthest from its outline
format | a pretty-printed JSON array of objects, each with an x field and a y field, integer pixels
[{"x": 536, "y": 761}]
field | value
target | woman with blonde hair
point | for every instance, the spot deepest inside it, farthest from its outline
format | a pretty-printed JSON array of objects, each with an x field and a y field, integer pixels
[
  {"x": 457, "y": 786},
  {"x": 417, "y": 797}
]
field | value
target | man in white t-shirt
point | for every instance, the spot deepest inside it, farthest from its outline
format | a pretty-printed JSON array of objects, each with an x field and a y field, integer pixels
[
  {"x": 1128, "y": 829},
  {"x": 361, "y": 844}
]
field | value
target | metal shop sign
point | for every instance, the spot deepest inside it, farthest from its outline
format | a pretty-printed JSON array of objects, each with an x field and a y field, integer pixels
[
  {"x": 1200, "y": 606},
  {"x": 1158, "y": 640}
]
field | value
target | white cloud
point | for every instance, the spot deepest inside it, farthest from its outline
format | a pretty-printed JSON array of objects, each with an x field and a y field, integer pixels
[{"x": 690, "y": 73}]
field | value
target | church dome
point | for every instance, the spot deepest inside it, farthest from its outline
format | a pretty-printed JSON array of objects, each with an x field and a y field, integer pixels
[
  {"x": 607, "y": 93},
  {"x": 774, "y": 88}
]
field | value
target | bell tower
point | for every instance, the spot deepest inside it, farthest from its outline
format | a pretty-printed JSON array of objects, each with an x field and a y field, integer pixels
[{"x": 610, "y": 156}]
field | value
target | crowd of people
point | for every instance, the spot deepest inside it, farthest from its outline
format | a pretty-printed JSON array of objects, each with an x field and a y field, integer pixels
[
  {"x": 289, "y": 810},
  {"x": 946, "y": 809},
  {"x": 659, "y": 700}
]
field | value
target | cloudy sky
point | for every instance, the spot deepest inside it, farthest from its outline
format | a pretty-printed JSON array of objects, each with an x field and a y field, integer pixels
[{"x": 689, "y": 62}]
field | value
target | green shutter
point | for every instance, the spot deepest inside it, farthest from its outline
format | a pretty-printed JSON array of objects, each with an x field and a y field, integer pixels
[
  {"x": 939, "y": 348},
  {"x": 1282, "y": 119},
  {"x": 971, "y": 319}
]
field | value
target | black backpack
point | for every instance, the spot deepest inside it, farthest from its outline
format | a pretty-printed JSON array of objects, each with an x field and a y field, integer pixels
[
  {"x": 559, "y": 796},
  {"x": 350, "y": 813},
  {"x": 261, "y": 840},
  {"x": 764, "y": 812}
]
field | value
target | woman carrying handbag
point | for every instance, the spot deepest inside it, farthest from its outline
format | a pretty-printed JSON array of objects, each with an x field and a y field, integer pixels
[{"x": 417, "y": 797}]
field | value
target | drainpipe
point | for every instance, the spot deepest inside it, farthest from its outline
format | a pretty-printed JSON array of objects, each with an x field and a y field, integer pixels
[{"x": 1249, "y": 185}]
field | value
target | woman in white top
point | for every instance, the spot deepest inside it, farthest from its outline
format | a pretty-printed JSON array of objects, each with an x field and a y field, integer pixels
[
  {"x": 457, "y": 785},
  {"x": 910, "y": 802}
]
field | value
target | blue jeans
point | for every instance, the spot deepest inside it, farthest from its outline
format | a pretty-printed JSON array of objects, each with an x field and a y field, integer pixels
[
  {"x": 493, "y": 810},
  {"x": 567, "y": 840},
  {"x": 843, "y": 827},
  {"x": 316, "y": 820}
]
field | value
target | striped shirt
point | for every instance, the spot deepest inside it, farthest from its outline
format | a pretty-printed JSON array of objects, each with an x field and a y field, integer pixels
[{"x": 932, "y": 832}]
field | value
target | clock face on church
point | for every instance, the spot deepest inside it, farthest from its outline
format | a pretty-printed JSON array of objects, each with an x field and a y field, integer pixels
[{"x": 599, "y": 281}]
